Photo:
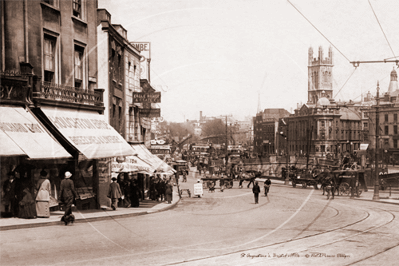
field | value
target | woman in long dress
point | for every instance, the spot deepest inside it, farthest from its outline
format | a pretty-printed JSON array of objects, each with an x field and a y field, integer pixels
[
  {"x": 27, "y": 208},
  {"x": 168, "y": 192},
  {"x": 43, "y": 196}
]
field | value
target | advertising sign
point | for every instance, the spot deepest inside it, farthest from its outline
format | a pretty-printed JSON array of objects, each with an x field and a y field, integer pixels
[
  {"x": 150, "y": 113},
  {"x": 152, "y": 97},
  {"x": 145, "y": 52},
  {"x": 198, "y": 191}
]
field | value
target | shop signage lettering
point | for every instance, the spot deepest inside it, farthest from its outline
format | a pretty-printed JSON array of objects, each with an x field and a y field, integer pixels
[
  {"x": 150, "y": 113},
  {"x": 18, "y": 127},
  {"x": 87, "y": 140},
  {"x": 141, "y": 46},
  {"x": 81, "y": 123},
  {"x": 141, "y": 97}
]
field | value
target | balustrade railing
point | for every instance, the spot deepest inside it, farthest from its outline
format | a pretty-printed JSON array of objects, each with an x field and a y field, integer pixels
[{"x": 69, "y": 94}]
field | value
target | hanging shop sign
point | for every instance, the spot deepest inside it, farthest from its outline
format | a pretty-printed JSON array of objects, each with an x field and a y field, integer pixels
[
  {"x": 146, "y": 97},
  {"x": 150, "y": 113}
]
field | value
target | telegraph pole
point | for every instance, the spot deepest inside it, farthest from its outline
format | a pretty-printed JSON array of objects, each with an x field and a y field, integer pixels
[{"x": 376, "y": 195}]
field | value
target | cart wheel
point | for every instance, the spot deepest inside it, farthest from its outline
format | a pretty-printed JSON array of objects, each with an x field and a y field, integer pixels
[
  {"x": 344, "y": 189},
  {"x": 304, "y": 185},
  {"x": 293, "y": 184}
]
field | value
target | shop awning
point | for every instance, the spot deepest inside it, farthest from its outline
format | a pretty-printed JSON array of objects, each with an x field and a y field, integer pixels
[
  {"x": 132, "y": 164},
  {"x": 88, "y": 132},
  {"x": 22, "y": 134},
  {"x": 144, "y": 154}
]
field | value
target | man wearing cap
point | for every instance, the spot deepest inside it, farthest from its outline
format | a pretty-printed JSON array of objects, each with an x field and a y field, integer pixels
[
  {"x": 67, "y": 195},
  {"x": 114, "y": 193}
]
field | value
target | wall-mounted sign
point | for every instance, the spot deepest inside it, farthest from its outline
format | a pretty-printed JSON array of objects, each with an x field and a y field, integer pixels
[
  {"x": 145, "y": 52},
  {"x": 152, "y": 97},
  {"x": 150, "y": 113}
]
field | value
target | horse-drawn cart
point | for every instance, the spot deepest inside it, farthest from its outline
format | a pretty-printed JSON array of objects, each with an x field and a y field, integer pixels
[
  {"x": 349, "y": 182},
  {"x": 305, "y": 179}
]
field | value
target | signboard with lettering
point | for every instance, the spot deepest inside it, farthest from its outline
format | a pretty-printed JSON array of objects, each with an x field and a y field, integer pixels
[
  {"x": 150, "y": 113},
  {"x": 198, "y": 191},
  {"x": 142, "y": 97},
  {"x": 145, "y": 52}
]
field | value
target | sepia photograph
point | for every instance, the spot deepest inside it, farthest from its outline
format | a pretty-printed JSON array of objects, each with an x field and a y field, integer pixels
[{"x": 199, "y": 132}]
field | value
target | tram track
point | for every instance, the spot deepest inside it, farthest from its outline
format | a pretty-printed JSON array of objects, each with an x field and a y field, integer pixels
[{"x": 368, "y": 214}]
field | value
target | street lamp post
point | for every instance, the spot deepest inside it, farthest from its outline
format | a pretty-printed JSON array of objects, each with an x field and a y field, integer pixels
[
  {"x": 376, "y": 195},
  {"x": 287, "y": 177}
]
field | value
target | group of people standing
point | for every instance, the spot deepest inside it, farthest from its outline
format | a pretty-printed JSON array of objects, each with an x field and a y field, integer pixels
[
  {"x": 22, "y": 202},
  {"x": 161, "y": 189},
  {"x": 124, "y": 189}
]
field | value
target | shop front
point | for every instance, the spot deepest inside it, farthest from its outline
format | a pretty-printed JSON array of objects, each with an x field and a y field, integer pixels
[
  {"x": 26, "y": 149},
  {"x": 93, "y": 144}
]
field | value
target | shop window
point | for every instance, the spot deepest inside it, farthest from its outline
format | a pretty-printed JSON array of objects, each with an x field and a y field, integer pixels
[
  {"x": 78, "y": 67},
  {"x": 49, "y": 58}
]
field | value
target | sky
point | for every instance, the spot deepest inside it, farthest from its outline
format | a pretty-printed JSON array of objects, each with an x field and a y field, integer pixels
[{"x": 226, "y": 57}]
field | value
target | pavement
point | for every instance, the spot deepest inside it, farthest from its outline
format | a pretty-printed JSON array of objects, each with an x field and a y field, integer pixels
[
  {"x": 148, "y": 207},
  {"x": 82, "y": 216}
]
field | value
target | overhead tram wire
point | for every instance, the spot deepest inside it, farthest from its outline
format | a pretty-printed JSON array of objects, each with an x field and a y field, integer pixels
[
  {"x": 345, "y": 82},
  {"x": 318, "y": 30},
  {"x": 375, "y": 15}
]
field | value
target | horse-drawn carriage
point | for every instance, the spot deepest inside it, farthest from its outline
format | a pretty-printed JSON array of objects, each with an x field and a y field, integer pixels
[{"x": 349, "y": 182}]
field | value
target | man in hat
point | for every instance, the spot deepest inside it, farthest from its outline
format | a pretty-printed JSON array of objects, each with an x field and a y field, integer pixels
[
  {"x": 114, "y": 193},
  {"x": 67, "y": 195},
  {"x": 9, "y": 199}
]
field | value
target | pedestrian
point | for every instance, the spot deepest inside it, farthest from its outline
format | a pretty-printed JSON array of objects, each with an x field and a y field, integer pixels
[
  {"x": 114, "y": 193},
  {"x": 134, "y": 194},
  {"x": 267, "y": 185},
  {"x": 27, "y": 206},
  {"x": 9, "y": 196},
  {"x": 241, "y": 177},
  {"x": 43, "y": 188},
  {"x": 221, "y": 183},
  {"x": 168, "y": 192},
  {"x": 251, "y": 180},
  {"x": 256, "y": 191},
  {"x": 159, "y": 188},
  {"x": 126, "y": 191},
  {"x": 67, "y": 196}
]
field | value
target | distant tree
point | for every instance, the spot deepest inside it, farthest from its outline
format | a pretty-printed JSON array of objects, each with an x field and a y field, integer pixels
[{"x": 213, "y": 127}]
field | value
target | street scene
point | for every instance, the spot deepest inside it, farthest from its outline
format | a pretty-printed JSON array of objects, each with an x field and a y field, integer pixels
[{"x": 199, "y": 132}]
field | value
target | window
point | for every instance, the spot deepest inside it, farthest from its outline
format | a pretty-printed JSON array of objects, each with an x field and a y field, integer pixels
[
  {"x": 386, "y": 130},
  {"x": 395, "y": 129},
  {"x": 78, "y": 70},
  {"x": 395, "y": 143},
  {"x": 386, "y": 117},
  {"x": 51, "y": 2},
  {"x": 365, "y": 125},
  {"x": 49, "y": 54},
  {"x": 395, "y": 117},
  {"x": 77, "y": 8}
]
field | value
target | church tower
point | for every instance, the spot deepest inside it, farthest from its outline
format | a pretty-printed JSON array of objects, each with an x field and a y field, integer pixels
[{"x": 320, "y": 78}]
